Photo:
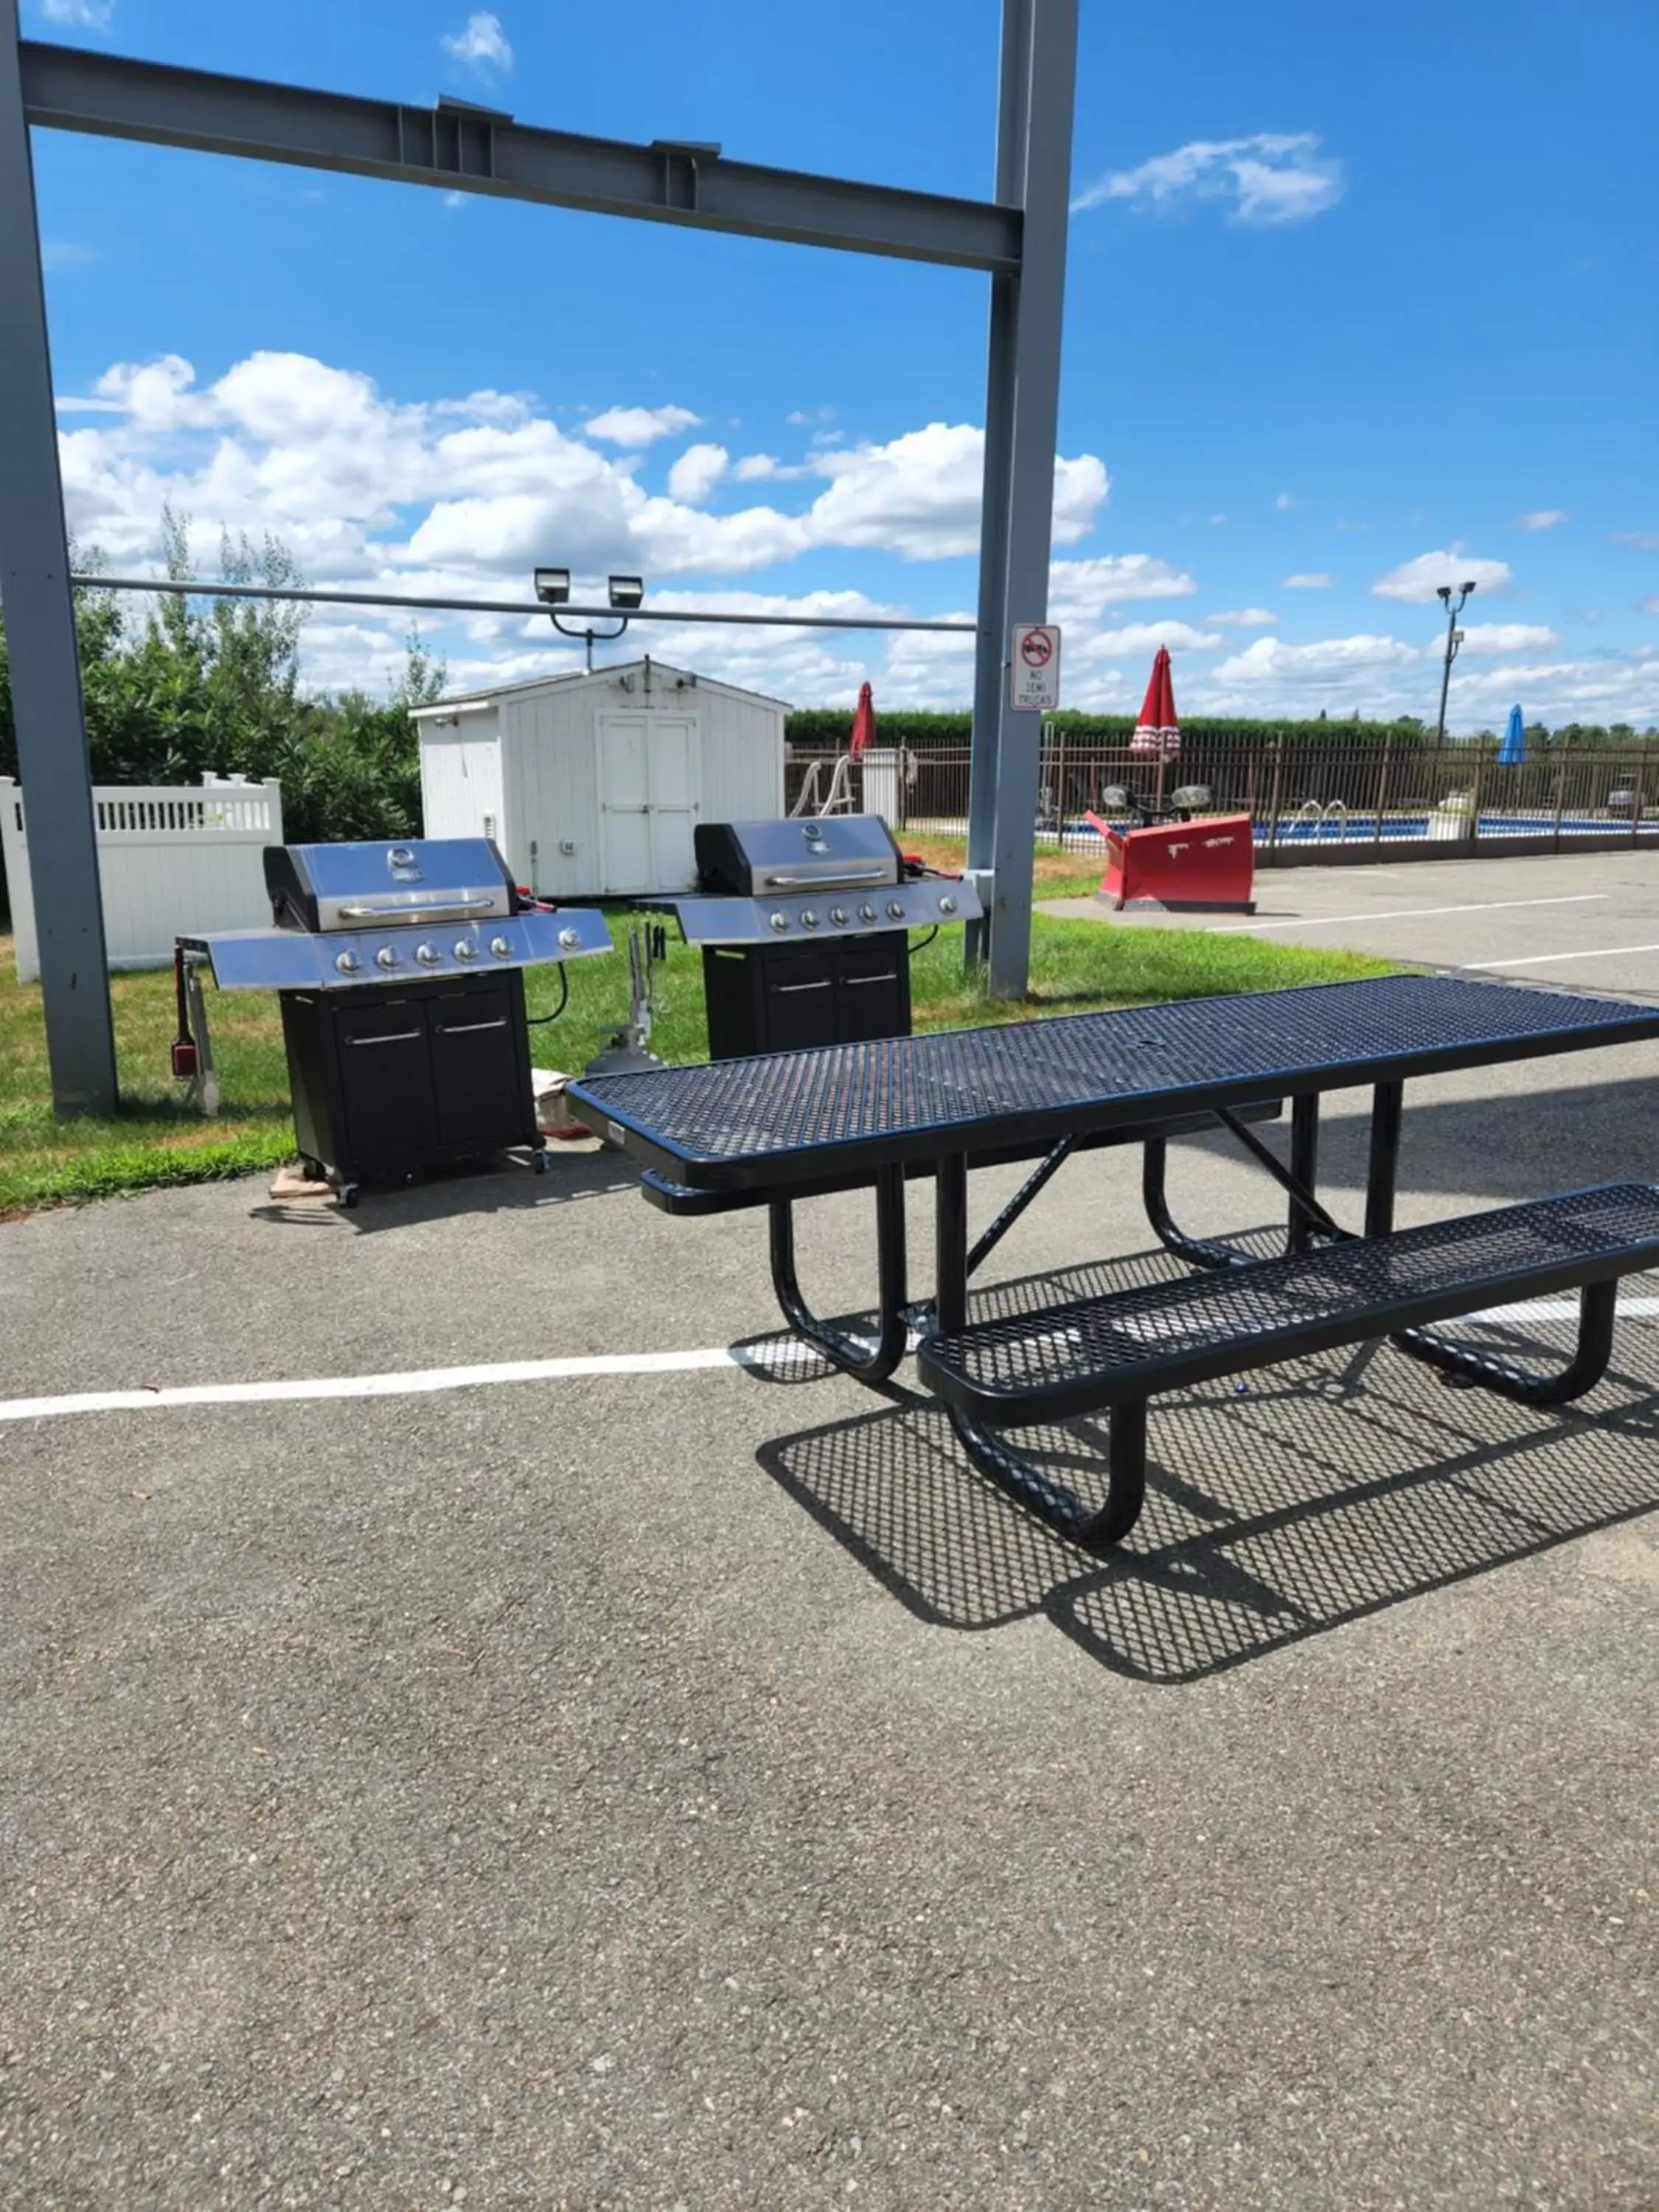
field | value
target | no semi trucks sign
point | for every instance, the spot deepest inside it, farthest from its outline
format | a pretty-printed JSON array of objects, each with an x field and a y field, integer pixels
[{"x": 1033, "y": 668}]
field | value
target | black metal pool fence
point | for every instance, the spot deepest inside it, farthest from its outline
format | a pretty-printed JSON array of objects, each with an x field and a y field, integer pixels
[{"x": 1306, "y": 802}]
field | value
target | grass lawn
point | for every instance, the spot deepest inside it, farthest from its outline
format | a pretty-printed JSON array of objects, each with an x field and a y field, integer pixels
[{"x": 159, "y": 1139}]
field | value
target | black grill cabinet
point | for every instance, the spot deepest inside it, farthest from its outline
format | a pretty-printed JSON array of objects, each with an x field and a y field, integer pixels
[
  {"x": 773, "y": 998},
  {"x": 388, "y": 1082}
]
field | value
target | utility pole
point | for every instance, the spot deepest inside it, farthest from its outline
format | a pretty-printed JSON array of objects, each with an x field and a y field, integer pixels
[{"x": 1454, "y": 639}]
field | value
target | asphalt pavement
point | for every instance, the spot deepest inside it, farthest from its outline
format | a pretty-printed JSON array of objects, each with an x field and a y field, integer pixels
[
  {"x": 1588, "y": 921},
  {"x": 691, "y": 1786}
]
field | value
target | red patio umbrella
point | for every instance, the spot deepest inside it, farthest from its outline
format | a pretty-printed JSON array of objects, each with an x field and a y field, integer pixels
[
  {"x": 1157, "y": 731},
  {"x": 864, "y": 725}
]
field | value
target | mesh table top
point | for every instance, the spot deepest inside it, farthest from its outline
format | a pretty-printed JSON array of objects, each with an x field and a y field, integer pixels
[{"x": 767, "y": 1121}]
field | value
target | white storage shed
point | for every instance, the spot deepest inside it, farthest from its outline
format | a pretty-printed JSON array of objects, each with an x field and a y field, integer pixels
[{"x": 592, "y": 783}]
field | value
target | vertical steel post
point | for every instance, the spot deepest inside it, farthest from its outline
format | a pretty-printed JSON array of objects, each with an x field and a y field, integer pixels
[
  {"x": 1039, "y": 58},
  {"x": 39, "y": 606},
  {"x": 993, "y": 615}
]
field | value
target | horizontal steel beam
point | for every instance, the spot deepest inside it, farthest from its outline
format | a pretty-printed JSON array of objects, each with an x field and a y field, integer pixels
[
  {"x": 191, "y": 591},
  {"x": 471, "y": 150}
]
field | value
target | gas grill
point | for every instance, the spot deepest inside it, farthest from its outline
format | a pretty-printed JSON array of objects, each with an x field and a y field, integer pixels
[
  {"x": 803, "y": 927},
  {"x": 399, "y": 971}
]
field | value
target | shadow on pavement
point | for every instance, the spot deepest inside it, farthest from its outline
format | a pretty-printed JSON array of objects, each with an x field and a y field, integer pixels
[
  {"x": 500, "y": 1186},
  {"x": 1325, "y": 1490}
]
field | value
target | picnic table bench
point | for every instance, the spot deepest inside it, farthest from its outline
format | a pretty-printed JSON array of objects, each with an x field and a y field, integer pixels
[{"x": 790, "y": 1126}]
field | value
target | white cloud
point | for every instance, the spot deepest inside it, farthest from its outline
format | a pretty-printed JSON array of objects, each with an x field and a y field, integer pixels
[
  {"x": 1270, "y": 660},
  {"x": 1420, "y": 579},
  {"x": 918, "y": 496},
  {"x": 66, "y": 253},
  {"x": 639, "y": 426},
  {"x": 453, "y": 200},
  {"x": 1286, "y": 499},
  {"x": 1315, "y": 580},
  {"x": 1650, "y": 606},
  {"x": 85, "y": 14},
  {"x": 1147, "y": 637},
  {"x": 1081, "y": 590},
  {"x": 1542, "y": 518},
  {"x": 1271, "y": 177},
  {"x": 1501, "y": 637},
  {"x": 802, "y": 417},
  {"x": 1643, "y": 541},
  {"x": 753, "y": 466},
  {"x": 1246, "y": 618},
  {"x": 696, "y": 472},
  {"x": 481, "y": 44}
]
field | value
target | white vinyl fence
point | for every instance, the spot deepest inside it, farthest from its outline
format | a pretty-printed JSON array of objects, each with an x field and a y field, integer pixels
[{"x": 172, "y": 861}]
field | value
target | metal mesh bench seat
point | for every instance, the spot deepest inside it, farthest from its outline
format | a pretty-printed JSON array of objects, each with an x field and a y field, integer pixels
[{"x": 1117, "y": 1351}]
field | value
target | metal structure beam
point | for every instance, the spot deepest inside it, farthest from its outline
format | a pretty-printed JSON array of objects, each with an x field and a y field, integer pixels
[
  {"x": 38, "y": 605},
  {"x": 460, "y": 147},
  {"x": 1039, "y": 60}
]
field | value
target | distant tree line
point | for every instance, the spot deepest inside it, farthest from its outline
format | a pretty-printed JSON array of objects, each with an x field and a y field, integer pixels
[{"x": 925, "y": 730}]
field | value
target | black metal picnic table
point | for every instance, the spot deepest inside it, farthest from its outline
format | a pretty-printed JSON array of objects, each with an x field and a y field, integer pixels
[{"x": 775, "y": 1129}]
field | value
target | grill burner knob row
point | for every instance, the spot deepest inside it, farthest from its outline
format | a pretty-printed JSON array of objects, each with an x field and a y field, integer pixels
[
  {"x": 426, "y": 955},
  {"x": 499, "y": 947},
  {"x": 466, "y": 949},
  {"x": 896, "y": 908},
  {"x": 385, "y": 958},
  {"x": 947, "y": 905},
  {"x": 838, "y": 916},
  {"x": 347, "y": 963},
  {"x": 866, "y": 912},
  {"x": 809, "y": 920},
  {"x": 569, "y": 938},
  {"x": 779, "y": 921}
]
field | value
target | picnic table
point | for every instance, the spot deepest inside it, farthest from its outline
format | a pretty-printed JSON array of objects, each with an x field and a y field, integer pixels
[{"x": 779, "y": 1129}]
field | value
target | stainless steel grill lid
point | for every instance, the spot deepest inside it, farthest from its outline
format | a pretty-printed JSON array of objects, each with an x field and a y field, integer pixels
[
  {"x": 348, "y": 886},
  {"x": 352, "y": 914},
  {"x": 836, "y": 852},
  {"x": 826, "y": 876}
]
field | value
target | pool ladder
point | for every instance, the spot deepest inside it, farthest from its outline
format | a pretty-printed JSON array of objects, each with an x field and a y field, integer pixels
[{"x": 1316, "y": 816}]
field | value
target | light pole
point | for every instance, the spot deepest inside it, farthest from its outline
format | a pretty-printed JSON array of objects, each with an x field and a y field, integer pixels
[
  {"x": 1454, "y": 639},
  {"x": 625, "y": 594}
]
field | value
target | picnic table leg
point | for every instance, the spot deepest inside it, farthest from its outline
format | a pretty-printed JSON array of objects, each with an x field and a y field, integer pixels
[
  {"x": 866, "y": 1363},
  {"x": 1303, "y": 1222},
  {"x": 1304, "y": 1168},
  {"x": 1388, "y": 1109},
  {"x": 1197, "y": 1251},
  {"x": 1093, "y": 1527},
  {"x": 1597, "y": 1305}
]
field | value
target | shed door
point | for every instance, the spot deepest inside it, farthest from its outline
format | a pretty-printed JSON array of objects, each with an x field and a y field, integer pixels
[{"x": 650, "y": 785}]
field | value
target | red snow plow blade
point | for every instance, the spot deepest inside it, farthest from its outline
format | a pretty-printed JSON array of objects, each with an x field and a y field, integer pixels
[{"x": 1185, "y": 868}]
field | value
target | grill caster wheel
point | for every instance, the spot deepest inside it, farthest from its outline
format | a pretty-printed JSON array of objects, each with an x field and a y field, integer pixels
[
  {"x": 541, "y": 1163},
  {"x": 348, "y": 1195}
]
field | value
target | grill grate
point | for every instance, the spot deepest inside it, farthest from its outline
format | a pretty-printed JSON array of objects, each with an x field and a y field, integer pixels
[
  {"x": 849, "y": 1095},
  {"x": 1156, "y": 1324}
]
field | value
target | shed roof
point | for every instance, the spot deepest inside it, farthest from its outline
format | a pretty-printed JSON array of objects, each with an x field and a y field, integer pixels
[{"x": 489, "y": 693}]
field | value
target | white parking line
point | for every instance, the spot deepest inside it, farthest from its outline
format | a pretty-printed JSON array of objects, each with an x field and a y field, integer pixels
[
  {"x": 422, "y": 1381},
  {"x": 1548, "y": 959},
  {"x": 1406, "y": 913}
]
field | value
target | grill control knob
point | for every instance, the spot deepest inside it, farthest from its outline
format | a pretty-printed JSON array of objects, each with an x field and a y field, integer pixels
[
  {"x": 466, "y": 949},
  {"x": 385, "y": 958},
  {"x": 499, "y": 947},
  {"x": 896, "y": 908},
  {"x": 866, "y": 912},
  {"x": 569, "y": 940},
  {"x": 347, "y": 963},
  {"x": 838, "y": 916},
  {"x": 427, "y": 954},
  {"x": 947, "y": 905},
  {"x": 809, "y": 920},
  {"x": 779, "y": 921}
]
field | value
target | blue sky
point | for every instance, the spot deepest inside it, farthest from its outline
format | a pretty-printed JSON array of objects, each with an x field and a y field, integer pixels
[{"x": 1358, "y": 303}]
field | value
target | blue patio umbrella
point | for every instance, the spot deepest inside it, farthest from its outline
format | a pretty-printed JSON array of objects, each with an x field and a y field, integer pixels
[{"x": 1513, "y": 750}]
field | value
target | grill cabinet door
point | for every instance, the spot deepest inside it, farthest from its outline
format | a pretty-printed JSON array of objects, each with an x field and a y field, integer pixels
[
  {"x": 872, "y": 989},
  {"x": 799, "y": 1003},
  {"x": 480, "y": 1085},
  {"x": 385, "y": 1083}
]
